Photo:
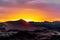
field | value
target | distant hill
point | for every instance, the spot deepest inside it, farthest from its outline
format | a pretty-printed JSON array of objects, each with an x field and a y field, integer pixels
[
  {"x": 24, "y": 25},
  {"x": 49, "y": 25},
  {"x": 23, "y": 30},
  {"x": 19, "y": 24}
]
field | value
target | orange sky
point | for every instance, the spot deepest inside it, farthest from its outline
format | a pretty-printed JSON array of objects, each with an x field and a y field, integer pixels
[
  {"x": 22, "y": 13},
  {"x": 29, "y": 10},
  {"x": 37, "y": 15}
]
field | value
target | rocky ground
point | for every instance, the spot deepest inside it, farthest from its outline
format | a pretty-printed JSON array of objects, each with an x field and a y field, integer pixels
[
  {"x": 33, "y": 35},
  {"x": 25, "y": 33}
]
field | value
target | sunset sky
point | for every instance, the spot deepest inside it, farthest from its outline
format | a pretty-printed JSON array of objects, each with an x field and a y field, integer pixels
[{"x": 31, "y": 10}]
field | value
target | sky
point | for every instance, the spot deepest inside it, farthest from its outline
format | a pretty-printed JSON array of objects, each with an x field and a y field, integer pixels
[{"x": 30, "y": 10}]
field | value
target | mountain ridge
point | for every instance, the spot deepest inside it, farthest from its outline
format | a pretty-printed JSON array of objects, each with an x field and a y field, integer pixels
[{"x": 19, "y": 24}]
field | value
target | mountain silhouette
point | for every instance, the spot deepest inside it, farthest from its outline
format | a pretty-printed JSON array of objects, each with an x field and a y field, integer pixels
[
  {"x": 23, "y": 22},
  {"x": 19, "y": 24}
]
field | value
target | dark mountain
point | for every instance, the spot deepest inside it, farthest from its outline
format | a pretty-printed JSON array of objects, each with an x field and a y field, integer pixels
[
  {"x": 19, "y": 24},
  {"x": 22, "y": 30},
  {"x": 49, "y": 25}
]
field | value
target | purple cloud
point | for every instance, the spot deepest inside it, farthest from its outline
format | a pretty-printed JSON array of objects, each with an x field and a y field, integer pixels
[
  {"x": 12, "y": 2},
  {"x": 49, "y": 5}
]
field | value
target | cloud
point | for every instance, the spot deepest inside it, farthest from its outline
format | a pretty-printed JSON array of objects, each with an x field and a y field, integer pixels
[
  {"x": 51, "y": 5},
  {"x": 25, "y": 2},
  {"x": 45, "y": 1},
  {"x": 12, "y": 2},
  {"x": 7, "y": 7}
]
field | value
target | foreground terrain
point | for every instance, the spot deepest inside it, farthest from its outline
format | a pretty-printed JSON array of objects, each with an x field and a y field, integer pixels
[
  {"x": 33, "y": 35},
  {"x": 22, "y": 30}
]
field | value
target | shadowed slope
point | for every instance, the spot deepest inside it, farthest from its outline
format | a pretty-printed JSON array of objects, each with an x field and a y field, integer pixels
[{"x": 20, "y": 25}]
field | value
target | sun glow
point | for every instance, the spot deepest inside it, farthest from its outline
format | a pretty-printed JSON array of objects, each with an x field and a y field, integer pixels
[
  {"x": 28, "y": 20},
  {"x": 23, "y": 13}
]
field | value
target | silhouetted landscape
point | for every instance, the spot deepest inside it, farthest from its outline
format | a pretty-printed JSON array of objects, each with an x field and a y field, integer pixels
[
  {"x": 29, "y": 19},
  {"x": 22, "y": 30},
  {"x": 49, "y": 25}
]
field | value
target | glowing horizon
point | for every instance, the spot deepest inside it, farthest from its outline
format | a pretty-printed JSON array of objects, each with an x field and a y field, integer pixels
[{"x": 30, "y": 10}]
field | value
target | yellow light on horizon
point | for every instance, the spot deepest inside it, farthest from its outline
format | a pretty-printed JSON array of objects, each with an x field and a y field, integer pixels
[
  {"x": 27, "y": 14},
  {"x": 28, "y": 20}
]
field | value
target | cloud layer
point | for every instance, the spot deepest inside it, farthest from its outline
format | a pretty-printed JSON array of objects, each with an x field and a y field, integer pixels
[
  {"x": 9, "y": 7},
  {"x": 29, "y": 1}
]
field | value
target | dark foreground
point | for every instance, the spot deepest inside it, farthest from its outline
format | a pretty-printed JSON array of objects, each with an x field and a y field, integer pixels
[
  {"x": 32, "y": 35},
  {"x": 13, "y": 30}
]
